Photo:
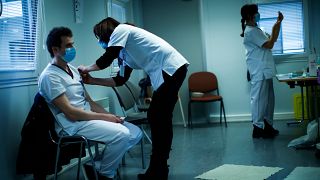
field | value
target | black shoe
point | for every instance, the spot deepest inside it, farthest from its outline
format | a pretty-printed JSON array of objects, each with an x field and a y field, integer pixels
[
  {"x": 158, "y": 174},
  {"x": 269, "y": 129},
  {"x": 90, "y": 173},
  {"x": 152, "y": 177},
  {"x": 257, "y": 132},
  {"x": 261, "y": 133},
  {"x": 143, "y": 177}
]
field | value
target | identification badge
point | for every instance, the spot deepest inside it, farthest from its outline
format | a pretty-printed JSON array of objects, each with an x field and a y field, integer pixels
[
  {"x": 122, "y": 70},
  {"x": 122, "y": 62}
]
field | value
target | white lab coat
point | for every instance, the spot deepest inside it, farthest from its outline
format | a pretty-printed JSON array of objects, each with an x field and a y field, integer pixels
[{"x": 146, "y": 51}]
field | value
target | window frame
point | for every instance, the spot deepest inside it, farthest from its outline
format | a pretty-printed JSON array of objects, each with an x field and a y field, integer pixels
[
  {"x": 296, "y": 56},
  {"x": 124, "y": 4},
  {"x": 18, "y": 77}
]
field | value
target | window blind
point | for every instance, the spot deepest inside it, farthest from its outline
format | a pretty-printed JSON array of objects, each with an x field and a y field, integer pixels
[
  {"x": 291, "y": 37},
  {"x": 18, "y": 34}
]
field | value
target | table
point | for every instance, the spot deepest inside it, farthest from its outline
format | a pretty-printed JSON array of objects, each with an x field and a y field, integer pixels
[{"x": 302, "y": 82}]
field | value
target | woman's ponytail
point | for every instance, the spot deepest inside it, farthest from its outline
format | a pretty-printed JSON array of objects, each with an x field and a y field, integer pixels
[
  {"x": 247, "y": 11},
  {"x": 243, "y": 27}
]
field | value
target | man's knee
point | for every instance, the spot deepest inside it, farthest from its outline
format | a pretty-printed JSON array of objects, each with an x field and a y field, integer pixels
[{"x": 124, "y": 134}]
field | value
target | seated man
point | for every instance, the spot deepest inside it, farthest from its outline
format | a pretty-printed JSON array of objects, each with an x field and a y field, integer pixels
[{"x": 76, "y": 113}]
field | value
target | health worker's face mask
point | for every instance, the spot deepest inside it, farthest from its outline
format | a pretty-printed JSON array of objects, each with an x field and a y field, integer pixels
[
  {"x": 103, "y": 44},
  {"x": 257, "y": 17},
  {"x": 69, "y": 54}
]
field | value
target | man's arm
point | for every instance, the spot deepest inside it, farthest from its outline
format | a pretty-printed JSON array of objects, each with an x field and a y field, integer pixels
[
  {"x": 95, "y": 107},
  {"x": 109, "y": 82},
  {"x": 76, "y": 114}
]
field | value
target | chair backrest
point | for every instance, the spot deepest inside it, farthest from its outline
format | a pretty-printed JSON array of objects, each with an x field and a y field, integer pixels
[
  {"x": 125, "y": 97},
  {"x": 202, "y": 82},
  {"x": 134, "y": 89},
  {"x": 39, "y": 139}
]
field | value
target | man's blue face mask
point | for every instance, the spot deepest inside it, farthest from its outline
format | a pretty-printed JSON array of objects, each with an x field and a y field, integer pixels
[
  {"x": 69, "y": 55},
  {"x": 103, "y": 44},
  {"x": 257, "y": 17}
]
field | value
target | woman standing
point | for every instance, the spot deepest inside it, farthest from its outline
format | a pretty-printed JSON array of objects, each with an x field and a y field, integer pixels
[
  {"x": 136, "y": 48},
  {"x": 261, "y": 67}
]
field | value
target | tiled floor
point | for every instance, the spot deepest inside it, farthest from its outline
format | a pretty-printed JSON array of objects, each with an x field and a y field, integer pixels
[{"x": 208, "y": 146}]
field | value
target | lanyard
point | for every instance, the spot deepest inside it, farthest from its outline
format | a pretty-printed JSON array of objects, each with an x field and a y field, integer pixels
[{"x": 122, "y": 64}]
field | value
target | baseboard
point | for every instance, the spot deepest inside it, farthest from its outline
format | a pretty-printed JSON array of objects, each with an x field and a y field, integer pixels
[
  {"x": 243, "y": 117},
  {"x": 247, "y": 117}
]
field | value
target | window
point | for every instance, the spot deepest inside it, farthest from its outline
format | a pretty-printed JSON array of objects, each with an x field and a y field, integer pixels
[
  {"x": 18, "y": 34},
  {"x": 117, "y": 11},
  {"x": 291, "y": 37}
]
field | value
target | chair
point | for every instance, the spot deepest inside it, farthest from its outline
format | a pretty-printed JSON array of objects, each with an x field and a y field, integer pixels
[
  {"x": 204, "y": 83},
  {"x": 135, "y": 91},
  {"x": 42, "y": 151},
  {"x": 127, "y": 103},
  {"x": 66, "y": 140},
  {"x": 75, "y": 139}
]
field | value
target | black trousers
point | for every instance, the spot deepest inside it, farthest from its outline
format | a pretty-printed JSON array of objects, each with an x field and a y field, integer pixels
[{"x": 160, "y": 115}]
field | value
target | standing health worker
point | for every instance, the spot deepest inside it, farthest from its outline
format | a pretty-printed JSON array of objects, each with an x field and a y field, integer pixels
[
  {"x": 261, "y": 67},
  {"x": 136, "y": 48}
]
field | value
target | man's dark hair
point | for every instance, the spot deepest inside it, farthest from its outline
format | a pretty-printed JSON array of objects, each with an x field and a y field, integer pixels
[{"x": 54, "y": 37}]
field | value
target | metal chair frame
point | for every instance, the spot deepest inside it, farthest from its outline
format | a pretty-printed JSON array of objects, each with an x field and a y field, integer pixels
[
  {"x": 128, "y": 102},
  {"x": 134, "y": 89},
  {"x": 76, "y": 139}
]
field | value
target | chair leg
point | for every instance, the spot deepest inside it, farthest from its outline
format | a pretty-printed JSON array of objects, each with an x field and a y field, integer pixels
[
  {"x": 189, "y": 115},
  {"x": 142, "y": 145},
  {"x": 142, "y": 153},
  {"x": 146, "y": 134},
  {"x": 118, "y": 174},
  {"x": 79, "y": 161},
  {"x": 124, "y": 159},
  {"x": 57, "y": 160},
  {"x": 96, "y": 150},
  {"x": 224, "y": 114},
  {"x": 221, "y": 105},
  {"x": 92, "y": 160}
]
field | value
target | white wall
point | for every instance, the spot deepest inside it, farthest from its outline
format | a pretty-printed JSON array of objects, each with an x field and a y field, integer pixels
[
  {"x": 314, "y": 28},
  {"x": 14, "y": 104},
  {"x": 177, "y": 22},
  {"x": 225, "y": 54}
]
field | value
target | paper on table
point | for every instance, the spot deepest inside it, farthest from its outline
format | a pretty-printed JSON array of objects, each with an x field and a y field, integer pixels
[{"x": 284, "y": 76}]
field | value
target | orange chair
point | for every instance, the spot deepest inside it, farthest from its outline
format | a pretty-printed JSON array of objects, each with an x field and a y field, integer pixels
[{"x": 201, "y": 87}]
